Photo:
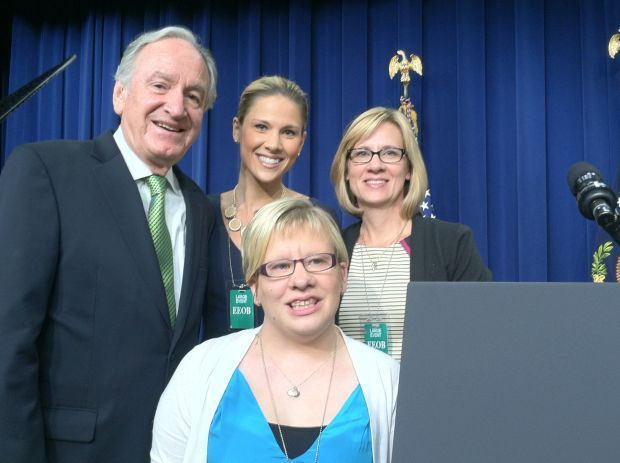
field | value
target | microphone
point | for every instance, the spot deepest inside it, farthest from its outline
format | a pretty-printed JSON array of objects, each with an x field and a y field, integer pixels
[{"x": 596, "y": 200}]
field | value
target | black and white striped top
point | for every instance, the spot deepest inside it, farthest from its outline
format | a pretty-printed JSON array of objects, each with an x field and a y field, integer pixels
[{"x": 376, "y": 292}]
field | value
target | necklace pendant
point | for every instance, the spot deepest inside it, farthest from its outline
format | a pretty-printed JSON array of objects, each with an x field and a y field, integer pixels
[
  {"x": 235, "y": 224},
  {"x": 374, "y": 265},
  {"x": 293, "y": 392},
  {"x": 230, "y": 212}
]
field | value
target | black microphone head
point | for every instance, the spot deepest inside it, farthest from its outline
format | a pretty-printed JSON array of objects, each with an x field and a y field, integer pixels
[
  {"x": 582, "y": 172},
  {"x": 595, "y": 199}
]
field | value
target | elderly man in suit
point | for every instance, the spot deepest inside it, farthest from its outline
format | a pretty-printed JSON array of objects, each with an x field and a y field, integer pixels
[{"x": 102, "y": 265}]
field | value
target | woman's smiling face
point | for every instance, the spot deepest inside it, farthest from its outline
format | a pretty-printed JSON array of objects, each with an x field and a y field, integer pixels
[
  {"x": 377, "y": 184},
  {"x": 302, "y": 305},
  {"x": 270, "y": 137}
]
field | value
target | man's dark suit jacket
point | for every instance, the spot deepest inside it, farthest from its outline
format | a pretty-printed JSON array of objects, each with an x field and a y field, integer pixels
[{"x": 86, "y": 346}]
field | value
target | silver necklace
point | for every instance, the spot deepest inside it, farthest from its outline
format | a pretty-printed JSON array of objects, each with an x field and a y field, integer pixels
[
  {"x": 273, "y": 402},
  {"x": 230, "y": 213},
  {"x": 234, "y": 223},
  {"x": 294, "y": 391},
  {"x": 374, "y": 265}
]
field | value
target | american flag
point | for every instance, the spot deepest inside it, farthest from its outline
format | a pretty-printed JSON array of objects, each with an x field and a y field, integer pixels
[{"x": 406, "y": 107}]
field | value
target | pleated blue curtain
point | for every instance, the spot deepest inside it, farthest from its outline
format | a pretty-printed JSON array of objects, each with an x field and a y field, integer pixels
[{"x": 513, "y": 93}]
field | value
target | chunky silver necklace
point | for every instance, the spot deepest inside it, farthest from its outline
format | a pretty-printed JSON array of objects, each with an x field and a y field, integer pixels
[
  {"x": 273, "y": 402},
  {"x": 234, "y": 223}
]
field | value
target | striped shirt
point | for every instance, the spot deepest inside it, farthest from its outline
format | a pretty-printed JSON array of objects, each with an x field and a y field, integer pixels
[{"x": 376, "y": 292}]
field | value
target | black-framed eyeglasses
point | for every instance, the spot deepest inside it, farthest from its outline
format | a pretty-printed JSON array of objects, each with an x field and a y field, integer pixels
[
  {"x": 313, "y": 263},
  {"x": 386, "y": 155}
]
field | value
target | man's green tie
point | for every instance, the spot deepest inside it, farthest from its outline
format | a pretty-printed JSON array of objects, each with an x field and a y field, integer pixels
[{"x": 161, "y": 239}]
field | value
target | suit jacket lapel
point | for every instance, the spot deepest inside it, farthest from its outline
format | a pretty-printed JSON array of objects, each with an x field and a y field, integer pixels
[
  {"x": 194, "y": 239},
  {"x": 121, "y": 194}
]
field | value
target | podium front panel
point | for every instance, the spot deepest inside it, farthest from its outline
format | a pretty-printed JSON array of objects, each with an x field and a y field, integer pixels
[{"x": 510, "y": 373}]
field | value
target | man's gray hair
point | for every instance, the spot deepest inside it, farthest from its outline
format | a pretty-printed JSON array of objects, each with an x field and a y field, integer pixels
[{"x": 125, "y": 68}]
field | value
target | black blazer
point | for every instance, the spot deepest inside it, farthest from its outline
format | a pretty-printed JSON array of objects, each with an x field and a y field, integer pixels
[
  {"x": 440, "y": 251},
  {"x": 86, "y": 345}
]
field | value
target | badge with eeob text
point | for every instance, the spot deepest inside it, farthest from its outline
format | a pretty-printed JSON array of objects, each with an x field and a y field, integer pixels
[
  {"x": 376, "y": 335},
  {"x": 241, "y": 309}
]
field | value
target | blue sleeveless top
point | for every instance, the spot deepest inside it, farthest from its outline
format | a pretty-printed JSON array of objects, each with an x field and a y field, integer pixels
[{"x": 240, "y": 432}]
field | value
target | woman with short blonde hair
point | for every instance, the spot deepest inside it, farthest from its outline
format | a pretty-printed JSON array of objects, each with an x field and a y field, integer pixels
[
  {"x": 296, "y": 388},
  {"x": 366, "y": 123},
  {"x": 380, "y": 177}
]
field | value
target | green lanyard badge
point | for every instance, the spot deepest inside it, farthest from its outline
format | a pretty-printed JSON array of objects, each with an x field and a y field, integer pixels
[
  {"x": 241, "y": 309},
  {"x": 376, "y": 335}
]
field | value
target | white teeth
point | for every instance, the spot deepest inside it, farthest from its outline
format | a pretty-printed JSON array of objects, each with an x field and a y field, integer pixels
[
  {"x": 266, "y": 160},
  {"x": 375, "y": 182},
  {"x": 306, "y": 303},
  {"x": 167, "y": 127}
]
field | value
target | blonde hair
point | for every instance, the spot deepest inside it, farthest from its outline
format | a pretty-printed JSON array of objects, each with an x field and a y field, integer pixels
[
  {"x": 269, "y": 86},
  {"x": 362, "y": 127},
  {"x": 284, "y": 216}
]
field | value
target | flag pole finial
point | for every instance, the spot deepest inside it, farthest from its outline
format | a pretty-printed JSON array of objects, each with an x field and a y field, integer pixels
[
  {"x": 614, "y": 44},
  {"x": 400, "y": 63},
  {"x": 403, "y": 65}
]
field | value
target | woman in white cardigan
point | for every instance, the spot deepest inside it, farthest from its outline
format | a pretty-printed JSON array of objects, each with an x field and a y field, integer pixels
[{"x": 295, "y": 389}]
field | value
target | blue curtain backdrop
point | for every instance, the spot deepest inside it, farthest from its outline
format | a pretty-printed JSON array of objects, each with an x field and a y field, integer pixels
[{"x": 513, "y": 93}]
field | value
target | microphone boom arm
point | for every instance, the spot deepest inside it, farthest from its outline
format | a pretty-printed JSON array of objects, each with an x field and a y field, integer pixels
[{"x": 15, "y": 99}]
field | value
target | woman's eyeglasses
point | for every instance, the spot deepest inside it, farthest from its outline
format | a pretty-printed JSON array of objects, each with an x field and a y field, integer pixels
[
  {"x": 313, "y": 263},
  {"x": 386, "y": 155}
]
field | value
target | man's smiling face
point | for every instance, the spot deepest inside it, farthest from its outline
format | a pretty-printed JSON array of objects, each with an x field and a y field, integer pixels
[{"x": 161, "y": 109}]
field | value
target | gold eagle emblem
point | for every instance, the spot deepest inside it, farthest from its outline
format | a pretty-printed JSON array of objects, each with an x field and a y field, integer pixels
[
  {"x": 404, "y": 65},
  {"x": 614, "y": 44}
]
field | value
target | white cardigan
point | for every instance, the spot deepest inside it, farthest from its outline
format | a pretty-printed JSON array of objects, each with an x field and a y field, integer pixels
[{"x": 187, "y": 406}]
